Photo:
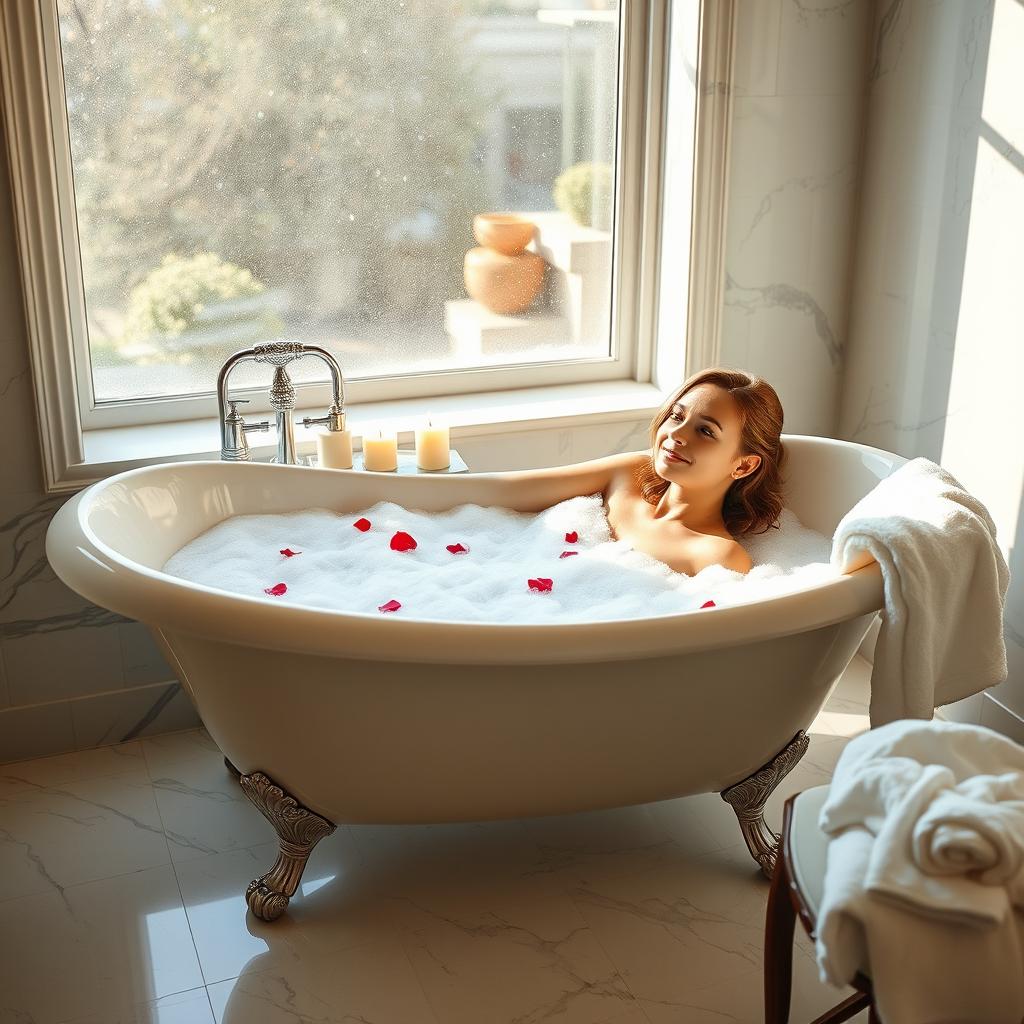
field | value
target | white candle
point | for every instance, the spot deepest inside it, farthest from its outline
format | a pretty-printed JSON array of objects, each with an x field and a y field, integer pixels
[
  {"x": 380, "y": 453},
  {"x": 334, "y": 449},
  {"x": 432, "y": 446}
]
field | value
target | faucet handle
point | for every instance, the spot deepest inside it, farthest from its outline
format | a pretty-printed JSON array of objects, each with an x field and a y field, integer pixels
[
  {"x": 235, "y": 447},
  {"x": 334, "y": 420},
  {"x": 234, "y": 418}
]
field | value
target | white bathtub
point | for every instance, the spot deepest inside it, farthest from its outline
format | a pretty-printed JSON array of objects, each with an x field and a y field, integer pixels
[{"x": 372, "y": 718}]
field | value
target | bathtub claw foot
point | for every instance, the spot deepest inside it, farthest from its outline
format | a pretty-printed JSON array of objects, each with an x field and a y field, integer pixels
[
  {"x": 748, "y": 798},
  {"x": 298, "y": 831}
]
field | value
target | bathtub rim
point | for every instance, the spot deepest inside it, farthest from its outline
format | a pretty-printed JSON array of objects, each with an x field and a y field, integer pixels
[{"x": 102, "y": 575}]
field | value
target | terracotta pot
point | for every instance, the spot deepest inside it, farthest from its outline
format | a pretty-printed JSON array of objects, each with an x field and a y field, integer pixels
[
  {"x": 500, "y": 274},
  {"x": 507, "y": 233},
  {"x": 500, "y": 283}
]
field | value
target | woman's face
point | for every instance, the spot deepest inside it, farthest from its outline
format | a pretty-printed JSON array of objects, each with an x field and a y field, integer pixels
[{"x": 698, "y": 445}]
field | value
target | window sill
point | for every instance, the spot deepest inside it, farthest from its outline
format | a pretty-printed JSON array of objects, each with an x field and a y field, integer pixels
[{"x": 114, "y": 450}]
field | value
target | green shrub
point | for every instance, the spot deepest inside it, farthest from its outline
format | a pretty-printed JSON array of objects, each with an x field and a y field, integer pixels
[
  {"x": 584, "y": 191},
  {"x": 172, "y": 299}
]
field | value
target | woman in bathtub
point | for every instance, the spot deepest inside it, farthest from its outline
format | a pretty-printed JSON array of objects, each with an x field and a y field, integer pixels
[{"x": 713, "y": 474}]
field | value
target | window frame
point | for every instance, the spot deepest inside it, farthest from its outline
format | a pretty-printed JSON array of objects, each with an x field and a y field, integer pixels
[{"x": 54, "y": 298}]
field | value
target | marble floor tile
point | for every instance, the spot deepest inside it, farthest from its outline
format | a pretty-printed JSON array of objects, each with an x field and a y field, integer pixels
[
  {"x": 334, "y": 907},
  {"x": 172, "y": 748},
  {"x": 843, "y": 719},
  {"x": 373, "y": 982},
  {"x": 403, "y": 853},
  {"x": 601, "y": 844},
  {"x": 490, "y": 950},
  {"x": 26, "y": 776},
  {"x": 204, "y": 810},
  {"x": 100, "y": 948},
  {"x": 854, "y": 687},
  {"x": 181, "y": 1008},
  {"x": 123, "y": 870},
  {"x": 55, "y": 836},
  {"x": 741, "y": 1001},
  {"x": 678, "y": 927},
  {"x": 686, "y": 820}
]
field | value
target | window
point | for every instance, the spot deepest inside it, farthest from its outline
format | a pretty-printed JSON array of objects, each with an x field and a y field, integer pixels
[{"x": 206, "y": 176}]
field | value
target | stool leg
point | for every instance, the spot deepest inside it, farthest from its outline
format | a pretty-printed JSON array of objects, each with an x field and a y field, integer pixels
[{"x": 778, "y": 948}]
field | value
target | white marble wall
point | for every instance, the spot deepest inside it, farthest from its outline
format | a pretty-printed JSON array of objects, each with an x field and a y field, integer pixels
[
  {"x": 74, "y": 676},
  {"x": 936, "y": 346},
  {"x": 798, "y": 113}
]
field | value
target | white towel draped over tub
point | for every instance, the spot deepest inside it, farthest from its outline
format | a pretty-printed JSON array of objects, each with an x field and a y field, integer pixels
[
  {"x": 941, "y": 636},
  {"x": 924, "y": 875}
]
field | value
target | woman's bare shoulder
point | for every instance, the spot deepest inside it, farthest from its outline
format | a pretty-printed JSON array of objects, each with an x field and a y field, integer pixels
[
  {"x": 623, "y": 469},
  {"x": 712, "y": 549},
  {"x": 628, "y": 461}
]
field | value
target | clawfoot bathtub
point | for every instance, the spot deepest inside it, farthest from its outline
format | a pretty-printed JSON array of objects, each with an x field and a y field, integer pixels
[{"x": 330, "y": 717}]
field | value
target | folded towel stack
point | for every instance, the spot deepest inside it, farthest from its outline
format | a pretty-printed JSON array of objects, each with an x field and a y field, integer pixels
[
  {"x": 945, "y": 579},
  {"x": 924, "y": 877}
]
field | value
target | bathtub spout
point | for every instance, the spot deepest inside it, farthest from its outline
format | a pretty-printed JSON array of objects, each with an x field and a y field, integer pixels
[
  {"x": 298, "y": 831},
  {"x": 747, "y": 799}
]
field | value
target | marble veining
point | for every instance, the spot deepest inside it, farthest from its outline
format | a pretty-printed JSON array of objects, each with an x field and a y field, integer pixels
[
  {"x": 23, "y": 535},
  {"x": 15, "y": 379},
  {"x": 750, "y": 299},
  {"x": 883, "y": 39},
  {"x": 842, "y": 176},
  {"x": 865, "y": 424},
  {"x": 840, "y": 7},
  {"x": 151, "y": 714}
]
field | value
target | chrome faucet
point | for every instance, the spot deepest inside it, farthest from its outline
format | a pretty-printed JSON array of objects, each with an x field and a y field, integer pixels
[{"x": 233, "y": 444}]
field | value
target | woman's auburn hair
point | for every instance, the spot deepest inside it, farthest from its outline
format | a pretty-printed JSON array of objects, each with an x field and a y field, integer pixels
[{"x": 754, "y": 502}]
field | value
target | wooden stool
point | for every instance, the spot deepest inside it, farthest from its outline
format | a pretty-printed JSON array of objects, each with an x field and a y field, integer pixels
[{"x": 796, "y": 889}]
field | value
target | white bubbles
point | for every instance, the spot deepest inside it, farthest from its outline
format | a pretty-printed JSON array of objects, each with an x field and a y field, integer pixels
[{"x": 343, "y": 569}]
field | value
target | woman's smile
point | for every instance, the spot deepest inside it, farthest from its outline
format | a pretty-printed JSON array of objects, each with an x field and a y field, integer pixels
[{"x": 673, "y": 456}]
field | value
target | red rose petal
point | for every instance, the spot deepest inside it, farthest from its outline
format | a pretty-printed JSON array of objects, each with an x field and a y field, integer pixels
[
  {"x": 708, "y": 604},
  {"x": 540, "y": 584},
  {"x": 362, "y": 525},
  {"x": 391, "y": 606},
  {"x": 276, "y": 590},
  {"x": 288, "y": 553},
  {"x": 571, "y": 538},
  {"x": 568, "y": 554},
  {"x": 456, "y": 549},
  {"x": 403, "y": 542}
]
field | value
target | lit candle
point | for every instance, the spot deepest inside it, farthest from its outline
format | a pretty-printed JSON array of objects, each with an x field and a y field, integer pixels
[
  {"x": 380, "y": 453},
  {"x": 432, "y": 447},
  {"x": 334, "y": 449}
]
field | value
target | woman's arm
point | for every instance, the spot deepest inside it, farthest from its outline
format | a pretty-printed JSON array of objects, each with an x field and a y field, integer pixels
[{"x": 533, "y": 490}]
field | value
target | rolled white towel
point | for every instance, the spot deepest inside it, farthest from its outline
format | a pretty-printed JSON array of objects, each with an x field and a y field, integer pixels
[
  {"x": 954, "y": 850},
  {"x": 967, "y": 975},
  {"x": 887, "y": 781},
  {"x": 976, "y": 828},
  {"x": 894, "y": 876}
]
